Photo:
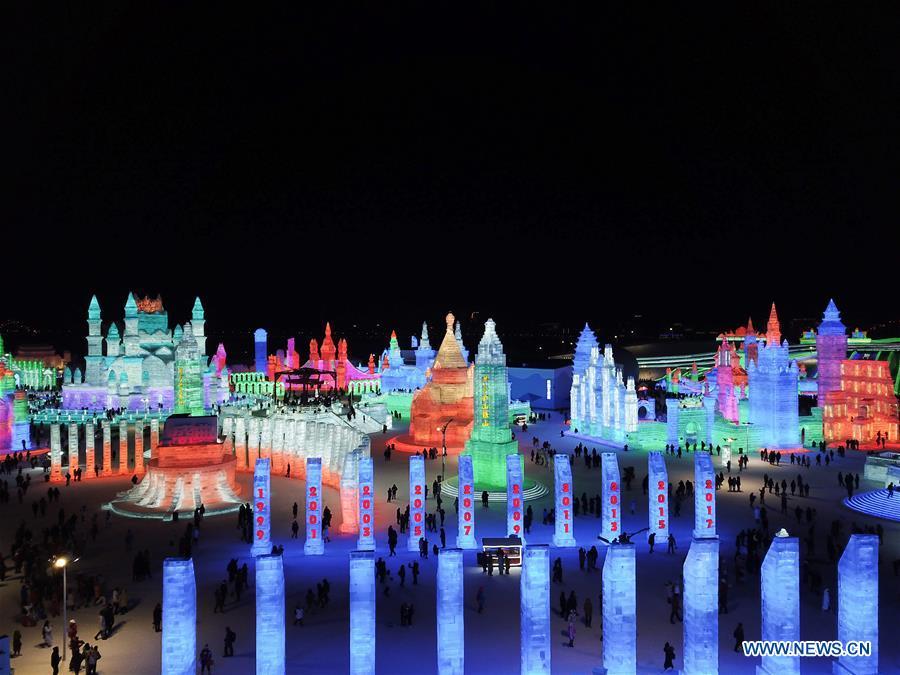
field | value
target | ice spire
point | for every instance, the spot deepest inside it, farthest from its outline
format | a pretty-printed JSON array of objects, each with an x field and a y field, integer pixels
[{"x": 773, "y": 329}]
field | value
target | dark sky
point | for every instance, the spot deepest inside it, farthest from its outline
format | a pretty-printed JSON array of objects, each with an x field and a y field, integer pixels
[{"x": 292, "y": 165}]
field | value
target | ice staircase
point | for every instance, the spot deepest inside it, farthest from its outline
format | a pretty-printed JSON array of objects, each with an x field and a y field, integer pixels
[{"x": 876, "y": 503}]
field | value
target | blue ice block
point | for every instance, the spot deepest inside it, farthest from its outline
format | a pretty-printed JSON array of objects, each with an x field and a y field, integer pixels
[
  {"x": 450, "y": 633},
  {"x": 619, "y": 610},
  {"x": 269, "y": 615},
  {"x": 564, "y": 533},
  {"x": 701, "y": 607},
  {"x": 465, "y": 537},
  {"x": 535, "y": 610},
  {"x": 362, "y": 613},
  {"x": 179, "y": 618}
]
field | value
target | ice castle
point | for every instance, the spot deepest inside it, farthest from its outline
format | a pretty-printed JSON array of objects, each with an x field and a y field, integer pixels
[
  {"x": 602, "y": 404},
  {"x": 138, "y": 370},
  {"x": 773, "y": 392},
  {"x": 396, "y": 375}
]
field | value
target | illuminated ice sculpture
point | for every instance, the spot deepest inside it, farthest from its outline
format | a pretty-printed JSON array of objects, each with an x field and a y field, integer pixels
[
  {"x": 465, "y": 537},
  {"x": 366, "y": 539},
  {"x": 416, "y": 501},
  {"x": 781, "y": 602},
  {"x": 701, "y": 607},
  {"x": 315, "y": 542},
  {"x": 362, "y": 613},
  {"x": 564, "y": 533},
  {"x": 514, "y": 509},
  {"x": 619, "y": 611},
  {"x": 269, "y": 615},
  {"x": 535, "y": 610},
  {"x": 704, "y": 496},
  {"x": 179, "y": 618},
  {"x": 658, "y": 496},
  {"x": 858, "y": 603},
  {"x": 450, "y": 633},
  {"x": 611, "y": 511},
  {"x": 262, "y": 512},
  {"x": 107, "y": 448}
]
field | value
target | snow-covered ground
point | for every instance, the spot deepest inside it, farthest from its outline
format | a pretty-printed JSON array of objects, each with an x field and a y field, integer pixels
[{"x": 492, "y": 638}]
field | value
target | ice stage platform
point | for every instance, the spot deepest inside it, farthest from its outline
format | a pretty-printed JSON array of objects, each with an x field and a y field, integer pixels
[
  {"x": 530, "y": 490},
  {"x": 876, "y": 503}
]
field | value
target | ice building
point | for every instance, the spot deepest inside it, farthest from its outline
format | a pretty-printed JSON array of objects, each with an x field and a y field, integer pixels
[
  {"x": 774, "y": 398},
  {"x": 396, "y": 375},
  {"x": 863, "y": 406},
  {"x": 602, "y": 405},
  {"x": 491, "y": 440},
  {"x": 138, "y": 370}
]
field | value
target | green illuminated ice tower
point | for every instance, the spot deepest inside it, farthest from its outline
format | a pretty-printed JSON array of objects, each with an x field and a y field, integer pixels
[
  {"x": 188, "y": 375},
  {"x": 491, "y": 440}
]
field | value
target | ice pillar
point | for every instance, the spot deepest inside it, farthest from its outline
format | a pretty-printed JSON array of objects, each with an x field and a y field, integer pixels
[
  {"x": 465, "y": 536},
  {"x": 658, "y": 495},
  {"x": 269, "y": 615},
  {"x": 154, "y": 435},
  {"x": 366, "y": 540},
  {"x": 619, "y": 620},
  {"x": 564, "y": 535},
  {"x": 781, "y": 603},
  {"x": 858, "y": 603},
  {"x": 253, "y": 440},
  {"x": 315, "y": 544},
  {"x": 107, "y": 447},
  {"x": 535, "y": 610},
  {"x": 72, "y": 445},
  {"x": 262, "y": 509},
  {"x": 611, "y": 512},
  {"x": 450, "y": 633},
  {"x": 123, "y": 446},
  {"x": 55, "y": 454},
  {"x": 350, "y": 494},
  {"x": 90, "y": 458},
  {"x": 514, "y": 509},
  {"x": 362, "y": 613},
  {"x": 701, "y": 607},
  {"x": 704, "y": 496},
  {"x": 240, "y": 443},
  {"x": 416, "y": 501},
  {"x": 139, "y": 447},
  {"x": 259, "y": 350},
  {"x": 179, "y": 618}
]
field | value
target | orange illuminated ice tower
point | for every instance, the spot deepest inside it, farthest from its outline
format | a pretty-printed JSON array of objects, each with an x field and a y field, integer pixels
[{"x": 447, "y": 396}]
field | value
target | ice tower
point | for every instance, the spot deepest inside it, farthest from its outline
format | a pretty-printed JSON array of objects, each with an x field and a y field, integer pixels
[
  {"x": 491, "y": 440},
  {"x": 831, "y": 349},
  {"x": 601, "y": 404},
  {"x": 188, "y": 379}
]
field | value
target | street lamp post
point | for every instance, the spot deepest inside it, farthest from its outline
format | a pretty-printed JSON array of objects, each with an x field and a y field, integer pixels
[
  {"x": 443, "y": 431},
  {"x": 62, "y": 563}
]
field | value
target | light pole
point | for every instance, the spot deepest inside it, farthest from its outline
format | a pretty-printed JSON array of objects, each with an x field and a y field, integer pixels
[
  {"x": 443, "y": 431},
  {"x": 62, "y": 563}
]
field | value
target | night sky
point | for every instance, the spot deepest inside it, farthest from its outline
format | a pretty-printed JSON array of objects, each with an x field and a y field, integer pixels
[{"x": 293, "y": 165}]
